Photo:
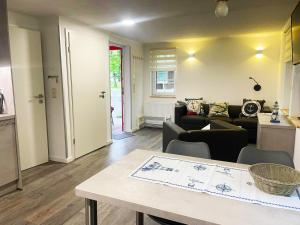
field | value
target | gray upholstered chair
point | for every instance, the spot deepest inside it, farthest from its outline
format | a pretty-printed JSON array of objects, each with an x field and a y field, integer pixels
[
  {"x": 250, "y": 155},
  {"x": 194, "y": 149}
]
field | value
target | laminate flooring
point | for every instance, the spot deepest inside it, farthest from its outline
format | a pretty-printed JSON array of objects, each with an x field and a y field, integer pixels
[{"x": 48, "y": 196}]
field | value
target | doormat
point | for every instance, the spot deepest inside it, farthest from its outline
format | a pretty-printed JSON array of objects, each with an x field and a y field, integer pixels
[{"x": 122, "y": 136}]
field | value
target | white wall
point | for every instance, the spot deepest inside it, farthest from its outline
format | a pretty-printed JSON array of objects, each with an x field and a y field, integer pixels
[
  {"x": 53, "y": 89},
  {"x": 221, "y": 69},
  {"x": 24, "y": 21},
  {"x": 58, "y": 113}
]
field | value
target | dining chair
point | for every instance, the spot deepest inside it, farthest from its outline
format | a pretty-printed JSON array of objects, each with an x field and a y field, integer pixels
[
  {"x": 251, "y": 155},
  {"x": 193, "y": 149}
]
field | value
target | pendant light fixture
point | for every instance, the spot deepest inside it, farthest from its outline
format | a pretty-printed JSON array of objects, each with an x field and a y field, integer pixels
[{"x": 222, "y": 8}]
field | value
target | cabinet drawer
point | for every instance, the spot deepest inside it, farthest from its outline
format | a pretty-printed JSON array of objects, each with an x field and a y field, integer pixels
[{"x": 8, "y": 153}]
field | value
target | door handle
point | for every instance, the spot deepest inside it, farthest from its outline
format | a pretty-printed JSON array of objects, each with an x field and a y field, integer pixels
[
  {"x": 102, "y": 94},
  {"x": 40, "y": 97}
]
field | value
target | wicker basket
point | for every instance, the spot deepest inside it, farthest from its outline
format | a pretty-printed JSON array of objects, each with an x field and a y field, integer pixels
[{"x": 275, "y": 179}]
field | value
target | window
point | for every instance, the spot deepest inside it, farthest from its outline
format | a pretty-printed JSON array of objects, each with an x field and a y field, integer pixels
[{"x": 162, "y": 71}]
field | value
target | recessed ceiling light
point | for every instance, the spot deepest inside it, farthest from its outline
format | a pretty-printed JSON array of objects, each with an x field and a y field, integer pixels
[{"x": 128, "y": 22}]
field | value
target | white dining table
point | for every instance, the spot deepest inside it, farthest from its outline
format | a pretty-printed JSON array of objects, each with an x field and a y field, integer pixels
[{"x": 114, "y": 186}]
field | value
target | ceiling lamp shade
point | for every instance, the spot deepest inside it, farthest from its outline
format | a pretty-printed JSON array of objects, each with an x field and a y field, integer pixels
[{"x": 222, "y": 8}]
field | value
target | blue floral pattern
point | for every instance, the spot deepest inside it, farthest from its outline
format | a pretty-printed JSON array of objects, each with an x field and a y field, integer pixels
[
  {"x": 200, "y": 167},
  {"x": 156, "y": 166},
  {"x": 223, "y": 188}
]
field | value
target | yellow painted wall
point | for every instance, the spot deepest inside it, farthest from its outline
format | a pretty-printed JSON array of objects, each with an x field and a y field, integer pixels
[{"x": 221, "y": 69}]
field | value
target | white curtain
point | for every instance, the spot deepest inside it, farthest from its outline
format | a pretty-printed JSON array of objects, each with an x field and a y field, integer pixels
[
  {"x": 286, "y": 71},
  {"x": 295, "y": 93},
  {"x": 287, "y": 39}
]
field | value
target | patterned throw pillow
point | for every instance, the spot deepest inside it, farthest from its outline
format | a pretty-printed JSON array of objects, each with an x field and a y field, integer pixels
[
  {"x": 218, "y": 109},
  {"x": 194, "y": 106},
  {"x": 251, "y": 109},
  {"x": 261, "y": 102}
]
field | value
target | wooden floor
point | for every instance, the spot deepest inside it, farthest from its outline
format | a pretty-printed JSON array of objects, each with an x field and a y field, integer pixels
[{"x": 48, "y": 196}]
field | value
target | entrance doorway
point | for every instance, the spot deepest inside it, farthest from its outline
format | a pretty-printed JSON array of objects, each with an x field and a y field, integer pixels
[{"x": 117, "y": 90}]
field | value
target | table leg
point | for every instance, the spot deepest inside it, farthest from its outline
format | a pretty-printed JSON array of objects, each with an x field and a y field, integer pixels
[
  {"x": 139, "y": 218},
  {"x": 90, "y": 212}
]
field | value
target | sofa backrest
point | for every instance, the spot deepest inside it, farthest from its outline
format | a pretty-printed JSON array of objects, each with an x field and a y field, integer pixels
[
  {"x": 206, "y": 108},
  {"x": 234, "y": 111},
  {"x": 224, "y": 144}
]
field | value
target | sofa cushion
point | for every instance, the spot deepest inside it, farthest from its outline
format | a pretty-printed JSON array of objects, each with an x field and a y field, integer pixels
[
  {"x": 194, "y": 106},
  {"x": 222, "y": 118},
  {"x": 246, "y": 122},
  {"x": 251, "y": 109},
  {"x": 261, "y": 102},
  {"x": 218, "y": 109}
]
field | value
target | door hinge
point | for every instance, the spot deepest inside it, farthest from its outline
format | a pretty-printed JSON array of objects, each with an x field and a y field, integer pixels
[{"x": 73, "y": 141}]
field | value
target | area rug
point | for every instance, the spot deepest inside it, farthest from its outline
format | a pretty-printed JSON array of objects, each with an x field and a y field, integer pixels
[{"x": 121, "y": 136}]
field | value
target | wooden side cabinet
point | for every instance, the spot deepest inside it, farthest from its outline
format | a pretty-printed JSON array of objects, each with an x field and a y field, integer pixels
[
  {"x": 275, "y": 136},
  {"x": 9, "y": 165}
]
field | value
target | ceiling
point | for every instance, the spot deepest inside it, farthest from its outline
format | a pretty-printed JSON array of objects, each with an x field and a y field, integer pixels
[{"x": 166, "y": 20}]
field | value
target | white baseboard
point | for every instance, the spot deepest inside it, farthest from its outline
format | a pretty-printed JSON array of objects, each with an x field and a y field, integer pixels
[
  {"x": 133, "y": 130},
  {"x": 62, "y": 160}
]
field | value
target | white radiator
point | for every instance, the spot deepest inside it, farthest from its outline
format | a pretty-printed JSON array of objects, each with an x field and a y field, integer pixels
[{"x": 158, "y": 112}]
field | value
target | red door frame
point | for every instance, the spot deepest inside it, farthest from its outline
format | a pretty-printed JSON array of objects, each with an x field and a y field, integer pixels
[{"x": 114, "y": 48}]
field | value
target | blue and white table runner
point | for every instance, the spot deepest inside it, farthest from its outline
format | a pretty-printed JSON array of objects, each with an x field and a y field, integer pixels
[{"x": 213, "y": 179}]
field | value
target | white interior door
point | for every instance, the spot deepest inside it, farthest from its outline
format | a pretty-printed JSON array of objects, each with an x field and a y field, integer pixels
[
  {"x": 27, "y": 70},
  {"x": 89, "y": 74}
]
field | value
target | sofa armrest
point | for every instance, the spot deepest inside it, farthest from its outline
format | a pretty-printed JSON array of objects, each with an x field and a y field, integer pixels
[
  {"x": 219, "y": 124},
  {"x": 171, "y": 131},
  {"x": 180, "y": 111},
  {"x": 266, "y": 109}
]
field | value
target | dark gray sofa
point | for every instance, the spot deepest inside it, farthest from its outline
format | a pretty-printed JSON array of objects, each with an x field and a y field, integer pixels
[
  {"x": 195, "y": 122},
  {"x": 225, "y": 140}
]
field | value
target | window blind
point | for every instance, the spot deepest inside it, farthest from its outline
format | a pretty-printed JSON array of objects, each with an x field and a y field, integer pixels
[
  {"x": 287, "y": 48},
  {"x": 163, "y": 60}
]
